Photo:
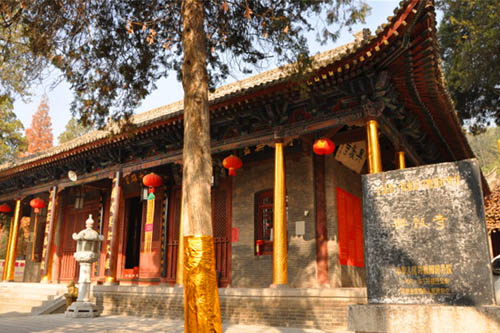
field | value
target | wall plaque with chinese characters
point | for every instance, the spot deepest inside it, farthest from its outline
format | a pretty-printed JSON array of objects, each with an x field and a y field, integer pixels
[
  {"x": 425, "y": 236},
  {"x": 352, "y": 155}
]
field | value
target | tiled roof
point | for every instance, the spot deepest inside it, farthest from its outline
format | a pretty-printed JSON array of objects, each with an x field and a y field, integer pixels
[
  {"x": 226, "y": 92},
  {"x": 492, "y": 209}
]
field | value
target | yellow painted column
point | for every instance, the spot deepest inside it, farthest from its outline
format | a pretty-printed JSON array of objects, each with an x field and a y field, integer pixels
[
  {"x": 4, "y": 272},
  {"x": 400, "y": 158},
  {"x": 374, "y": 156},
  {"x": 10, "y": 261},
  {"x": 280, "y": 250},
  {"x": 179, "y": 277}
]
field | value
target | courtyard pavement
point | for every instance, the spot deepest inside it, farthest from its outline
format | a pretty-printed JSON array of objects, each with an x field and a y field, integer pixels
[{"x": 118, "y": 324}]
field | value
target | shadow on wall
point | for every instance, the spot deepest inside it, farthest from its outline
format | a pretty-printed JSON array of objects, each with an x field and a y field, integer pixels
[{"x": 251, "y": 271}]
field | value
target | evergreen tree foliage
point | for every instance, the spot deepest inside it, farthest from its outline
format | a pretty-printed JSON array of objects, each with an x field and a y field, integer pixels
[
  {"x": 485, "y": 147},
  {"x": 12, "y": 140},
  {"x": 19, "y": 67},
  {"x": 39, "y": 135},
  {"x": 113, "y": 52},
  {"x": 469, "y": 35},
  {"x": 72, "y": 131}
]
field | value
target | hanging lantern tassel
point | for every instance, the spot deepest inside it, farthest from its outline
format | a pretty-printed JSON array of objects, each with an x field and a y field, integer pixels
[{"x": 151, "y": 180}]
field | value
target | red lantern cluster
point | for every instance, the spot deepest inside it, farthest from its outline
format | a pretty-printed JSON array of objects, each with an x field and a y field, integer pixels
[
  {"x": 4, "y": 208},
  {"x": 323, "y": 146},
  {"x": 232, "y": 163},
  {"x": 37, "y": 204},
  {"x": 152, "y": 180}
]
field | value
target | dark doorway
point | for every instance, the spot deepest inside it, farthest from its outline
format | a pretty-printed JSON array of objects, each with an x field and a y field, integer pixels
[{"x": 134, "y": 221}]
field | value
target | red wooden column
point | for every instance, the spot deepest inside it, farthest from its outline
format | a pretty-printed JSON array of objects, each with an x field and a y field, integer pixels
[
  {"x": 112, "y": 240},
  {"x": 48, "y": 248},
  {"x": 320, "y": 225},
  {"x": 58, "y": 238}
]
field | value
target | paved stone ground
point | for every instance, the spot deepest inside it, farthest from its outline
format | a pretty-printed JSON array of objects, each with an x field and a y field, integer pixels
[{"x": 118, "y": 324}]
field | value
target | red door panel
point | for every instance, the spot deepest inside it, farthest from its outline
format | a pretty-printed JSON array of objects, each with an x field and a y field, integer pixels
[{"x": 350, "y": 229}]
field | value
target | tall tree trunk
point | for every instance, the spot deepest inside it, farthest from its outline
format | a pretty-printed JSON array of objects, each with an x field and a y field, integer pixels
[{"x": 201, "y": 309}]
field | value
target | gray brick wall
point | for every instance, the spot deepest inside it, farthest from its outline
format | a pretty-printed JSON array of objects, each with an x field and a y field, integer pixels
[
  {"x": 338, "y": 175},
  {"x": 256, "y": 272},
  {"x": 303, "y": 308}
]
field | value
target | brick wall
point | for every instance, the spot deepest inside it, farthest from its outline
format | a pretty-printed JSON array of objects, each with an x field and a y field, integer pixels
[
  {"x": 337, "y": 175},
  {"x": 306, "y": 308},
  {"x": 253, "y": 271}
]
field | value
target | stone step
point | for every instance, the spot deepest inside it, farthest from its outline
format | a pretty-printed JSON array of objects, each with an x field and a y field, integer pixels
[
  {"x": 36, "y": 286},
  {"x": 28, "y": 302},
  {"x": 32, "y": 297},
  {"x": 28, "y": 298},
  {"x": 32, "y": 291},
  {"x": 14, "y": 307},
  {"x": 16, "y": 298}
]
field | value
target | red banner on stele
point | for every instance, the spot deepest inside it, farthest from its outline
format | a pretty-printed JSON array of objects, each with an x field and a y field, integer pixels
[{"x": 350, "y": 229}]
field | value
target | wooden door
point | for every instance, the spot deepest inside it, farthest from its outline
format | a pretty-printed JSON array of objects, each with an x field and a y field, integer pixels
[
  {"x": 350, "y": 229},
  {"x": 73, "y": 222},
  {"x": 221, "y": 221},
  {"x": 174, "y": 217}
]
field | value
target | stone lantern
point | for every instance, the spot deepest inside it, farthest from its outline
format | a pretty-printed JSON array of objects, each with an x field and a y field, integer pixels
[{"x": 87, "y": 252}]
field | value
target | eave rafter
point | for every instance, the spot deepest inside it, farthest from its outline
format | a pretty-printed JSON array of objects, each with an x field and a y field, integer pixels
[{"x": 337, "y": 93}]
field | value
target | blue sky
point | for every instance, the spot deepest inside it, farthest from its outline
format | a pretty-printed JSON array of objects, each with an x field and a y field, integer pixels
[{"x": 169, "y": 89}]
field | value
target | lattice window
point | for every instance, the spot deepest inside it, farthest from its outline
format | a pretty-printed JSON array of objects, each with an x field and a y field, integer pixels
[
  {"x": 219, "y": 214},
  {"x": 264, "y": 207}
]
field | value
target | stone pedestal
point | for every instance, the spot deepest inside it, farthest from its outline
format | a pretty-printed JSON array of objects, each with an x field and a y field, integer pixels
[
  {"x": 86, "y": 253},
  {"x": 82, "y": 310},
  {"x": 416, "y": 318}
]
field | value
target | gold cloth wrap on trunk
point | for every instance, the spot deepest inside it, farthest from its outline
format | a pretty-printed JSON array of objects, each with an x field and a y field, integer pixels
[{"x": 201, "y": 297}]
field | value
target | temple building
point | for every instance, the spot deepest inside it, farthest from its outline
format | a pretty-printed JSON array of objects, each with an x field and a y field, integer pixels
[{"x": 381, "y": 100}]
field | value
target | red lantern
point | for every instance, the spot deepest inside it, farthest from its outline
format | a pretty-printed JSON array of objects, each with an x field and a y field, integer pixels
[
  {"x": 232, "y": 163},
  {"x": 152, "y": 180},
  {"x": 37, "y": 204},
  {"x": 323, "y": 146},
  {"x": 4, "y": 208}
]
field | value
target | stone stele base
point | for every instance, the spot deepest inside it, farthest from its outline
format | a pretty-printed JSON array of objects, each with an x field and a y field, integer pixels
[
  {"x": 82, "y": 310},
  {"x": 423, "y": 318}
]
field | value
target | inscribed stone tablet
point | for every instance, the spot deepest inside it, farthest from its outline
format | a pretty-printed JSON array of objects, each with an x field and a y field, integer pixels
[{"x": 425, "y": 236}]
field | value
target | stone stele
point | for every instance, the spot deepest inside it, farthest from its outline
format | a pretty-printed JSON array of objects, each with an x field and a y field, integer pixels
[{"x": 425, "y": 236}]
